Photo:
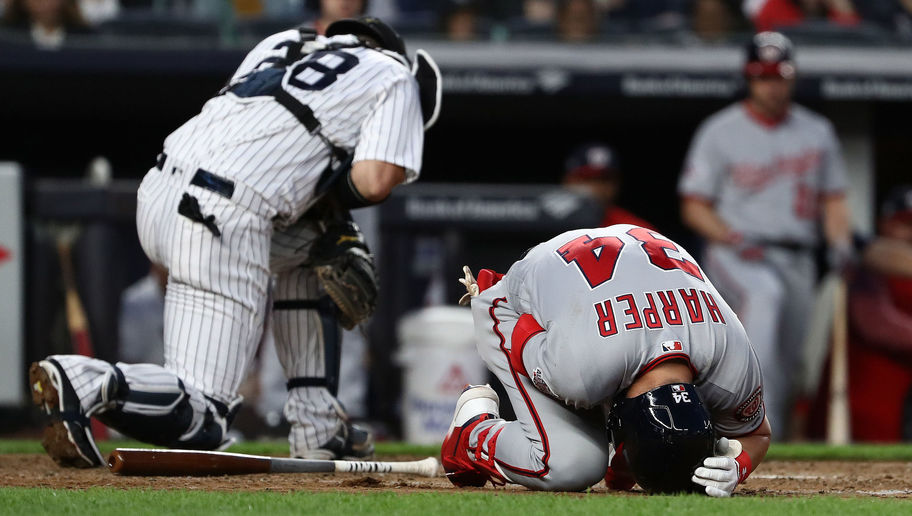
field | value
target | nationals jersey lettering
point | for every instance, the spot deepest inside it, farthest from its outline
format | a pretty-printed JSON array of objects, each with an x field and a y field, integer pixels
[
  {"x": 616, "y": 301},
  {"x": 655, "y": 310},
  {"x": 365, "y": 100},
  {"x": 765, "y": 180}
]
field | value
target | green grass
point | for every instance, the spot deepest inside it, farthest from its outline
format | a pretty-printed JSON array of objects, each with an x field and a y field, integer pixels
[
  {"x": 900, "y": 452},
  {"x": 100, "y": 501},
  {"x": 818, "y": 451}
]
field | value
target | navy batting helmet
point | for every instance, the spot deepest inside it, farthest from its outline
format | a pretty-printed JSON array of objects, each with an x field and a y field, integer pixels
[
  {"x": 593, "y": 160},
  {"x": 666, "y": 434},
  {"x": 898, "y": 203},
  {"x": 769, "y": 54},
  {"x": 371, "y": 27}
]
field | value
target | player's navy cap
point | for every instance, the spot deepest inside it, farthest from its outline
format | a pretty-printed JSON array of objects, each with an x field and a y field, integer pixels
[
  {"x": 372, "y": 27},
  {"x": 898, "y": 203},
  {"x": 769, "y": 54},
  {"x": 591, "y": 161}
]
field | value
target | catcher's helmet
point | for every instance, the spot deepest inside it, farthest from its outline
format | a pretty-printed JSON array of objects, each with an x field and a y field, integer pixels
[
  {"x": 769, "y": 54},
  {"x": 372, "y": 27},
  {"x": 666, "y": 434},
  {"x": 423, "y": 67}
]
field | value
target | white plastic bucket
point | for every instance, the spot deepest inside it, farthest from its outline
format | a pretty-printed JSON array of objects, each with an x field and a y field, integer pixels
[{"x": 437, "y": 352}]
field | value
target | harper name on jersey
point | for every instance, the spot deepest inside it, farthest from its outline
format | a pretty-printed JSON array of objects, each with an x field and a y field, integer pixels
[{"x": 623, "y": 311}]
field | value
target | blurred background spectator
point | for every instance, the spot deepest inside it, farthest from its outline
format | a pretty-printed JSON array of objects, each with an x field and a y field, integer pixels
[
  {"x": 238, "y": 22},
  {"x": 540, "y": 11},
  {"x": 713, "y": 20},
  {"x": 99, "y": 11},
  {"x": 891, "y": 15},
  {"x": 459, "y": 20},
  {"x": 577, "y": 20},
  {"x": 333, "y": 10},
  {"x": 47, "y": 22},
  {"x": 776, "y": 14},
  {"x": 656, "y": 15}
]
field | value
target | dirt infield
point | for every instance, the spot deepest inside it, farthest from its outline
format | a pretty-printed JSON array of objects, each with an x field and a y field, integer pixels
[{"x": 774, "y": 478}]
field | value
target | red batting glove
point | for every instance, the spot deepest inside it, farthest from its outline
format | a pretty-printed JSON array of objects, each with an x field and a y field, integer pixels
[{"x": 487, "y": 279}]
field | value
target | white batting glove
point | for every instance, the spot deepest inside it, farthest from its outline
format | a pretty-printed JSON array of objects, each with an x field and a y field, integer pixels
[
  {"x": 470, "y": 284},
  {"x": 720, "y": 475}
]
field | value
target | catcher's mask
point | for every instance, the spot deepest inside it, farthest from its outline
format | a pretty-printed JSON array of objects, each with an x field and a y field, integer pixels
[
  {"x": 423, "y": 68},
  {"x": 666, "y": 434}
]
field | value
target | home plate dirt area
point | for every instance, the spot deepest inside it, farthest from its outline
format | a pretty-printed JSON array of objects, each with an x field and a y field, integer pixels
[{"x": 772, "y": 478}]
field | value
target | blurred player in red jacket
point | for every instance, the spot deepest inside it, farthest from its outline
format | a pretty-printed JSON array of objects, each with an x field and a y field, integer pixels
[
  {"x": 593, "y": 168},
  {"x": 880, "y": 322}
]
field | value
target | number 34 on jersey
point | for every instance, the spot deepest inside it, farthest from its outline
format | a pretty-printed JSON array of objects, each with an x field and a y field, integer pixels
[{"x": 596, "y": 259}]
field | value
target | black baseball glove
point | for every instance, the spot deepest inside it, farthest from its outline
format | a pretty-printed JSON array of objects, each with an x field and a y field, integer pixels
[{"x": 346, "y": 270}]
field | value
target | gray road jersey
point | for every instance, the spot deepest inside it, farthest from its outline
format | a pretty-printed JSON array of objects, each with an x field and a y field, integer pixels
[
  {"x": 617, "y": 301},
  {"x": 765, "y": 180}
]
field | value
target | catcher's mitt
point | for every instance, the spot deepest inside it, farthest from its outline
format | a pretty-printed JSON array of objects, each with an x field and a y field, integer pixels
[{"x": 346, "y": 270}]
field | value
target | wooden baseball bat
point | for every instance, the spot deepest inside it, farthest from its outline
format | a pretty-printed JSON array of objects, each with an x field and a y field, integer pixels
[
  {"x": 77, "y": 322},
  {"x": 145, "y": 462},
  {"x": 838, "y": 425}
]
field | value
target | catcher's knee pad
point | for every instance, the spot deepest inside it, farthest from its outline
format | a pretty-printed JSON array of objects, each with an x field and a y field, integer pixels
[{"x": 149, "y": 403}]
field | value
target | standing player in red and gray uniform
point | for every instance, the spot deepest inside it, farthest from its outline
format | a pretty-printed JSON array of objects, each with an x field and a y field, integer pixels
[
  {"x": 259, "y": 185},
  {"x": 618, "y": 319},
  {"x": 759, "y": 179}
]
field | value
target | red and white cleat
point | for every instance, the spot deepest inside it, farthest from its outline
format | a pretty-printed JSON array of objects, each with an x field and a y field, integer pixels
[{"x": 466, "y": 466}]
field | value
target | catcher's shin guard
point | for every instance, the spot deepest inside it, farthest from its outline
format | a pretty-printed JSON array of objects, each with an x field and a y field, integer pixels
[
  {"x": 467, "y": 465},
  {"x": 332, "y": 342},
  {"x": 151, "y": 404}
]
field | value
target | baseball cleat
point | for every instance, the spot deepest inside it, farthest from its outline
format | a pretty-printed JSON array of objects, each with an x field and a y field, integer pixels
[
  {"x": 68, "y": 437},
  {"x": 351, "y": 442},
  {"x": 466, "y": 466}
]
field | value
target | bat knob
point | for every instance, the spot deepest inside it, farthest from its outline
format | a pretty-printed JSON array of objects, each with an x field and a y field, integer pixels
[
  {"x": 429, "y": 467},
  {"x": 115, "y": 461}
]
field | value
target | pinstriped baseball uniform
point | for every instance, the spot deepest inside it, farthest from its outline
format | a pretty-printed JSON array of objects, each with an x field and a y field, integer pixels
[
  {"x": 765, "y": 180},
  {"x": 612, "y": 303},
  {"x": 245, "y": 242}
]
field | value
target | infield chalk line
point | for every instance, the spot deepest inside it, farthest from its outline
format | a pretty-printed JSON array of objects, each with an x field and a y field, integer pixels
[
  {"x": 886, "y": 492},
  {"x": 791, "y": 477}
]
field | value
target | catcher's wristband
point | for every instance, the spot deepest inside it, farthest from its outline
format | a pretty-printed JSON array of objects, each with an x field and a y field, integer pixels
[{"x": 744, "y": 466}]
